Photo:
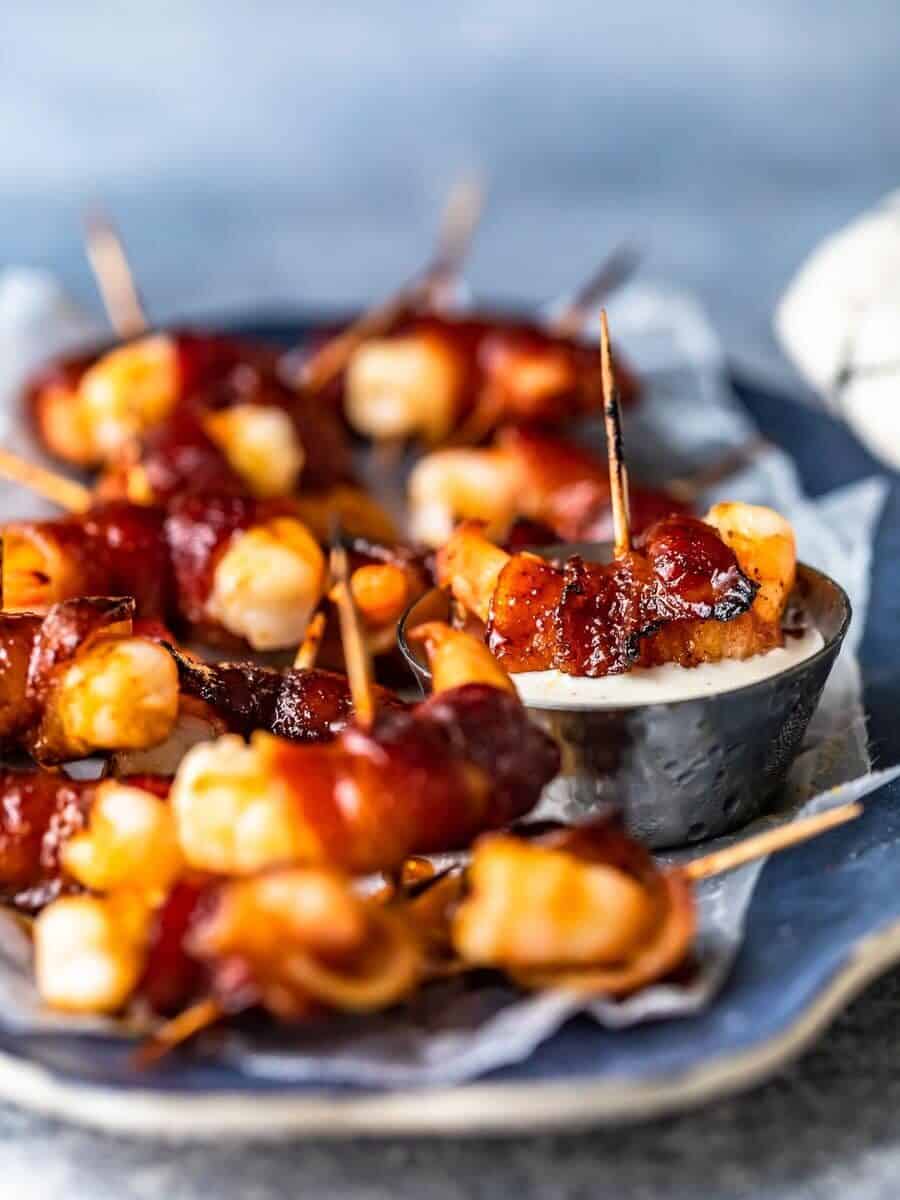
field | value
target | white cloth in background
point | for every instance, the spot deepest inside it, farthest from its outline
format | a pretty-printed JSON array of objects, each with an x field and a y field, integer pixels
[{"x": 839, "y": 323}]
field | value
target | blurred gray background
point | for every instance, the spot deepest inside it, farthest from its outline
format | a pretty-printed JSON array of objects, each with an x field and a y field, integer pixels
[{"x": 278, "y": 151}]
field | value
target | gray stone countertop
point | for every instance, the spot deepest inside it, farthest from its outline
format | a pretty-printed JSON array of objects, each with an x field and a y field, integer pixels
[{"x": 825, "y": 1129}]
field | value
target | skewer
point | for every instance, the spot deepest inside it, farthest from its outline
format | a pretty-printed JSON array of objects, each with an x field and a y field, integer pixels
[
  {"x": 356, "y": 651},
  {"x": 457, "y": 227},
  {"x": 69, "y": 495},
  {"x": 115, "y": 279},
  {"x": 176, "y": 1032},
  {"x": 770, "y": 841},
  {"x": 459, "y": 221},
  {"x": 615, "y": 449},
  {"x": 308, "y": 652},
  {"x": 615, "y": 270}
]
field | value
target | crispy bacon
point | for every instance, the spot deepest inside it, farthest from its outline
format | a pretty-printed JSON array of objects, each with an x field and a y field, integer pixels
[
  {"x": 591, "y": 618},
  {"x": 300, "y": 705}
]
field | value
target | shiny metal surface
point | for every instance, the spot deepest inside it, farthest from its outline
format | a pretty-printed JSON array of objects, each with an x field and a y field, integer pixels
[{"x": 694, "y": 769}]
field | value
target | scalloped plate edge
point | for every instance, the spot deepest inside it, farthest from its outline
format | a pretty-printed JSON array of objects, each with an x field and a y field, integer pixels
[{"x": 466, "y": 1110}]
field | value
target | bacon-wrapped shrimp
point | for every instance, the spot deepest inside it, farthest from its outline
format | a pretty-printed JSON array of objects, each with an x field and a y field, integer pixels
[
  {"x": 87, "y": 407},
  {"x": 299, "y": 940},
  {"x": 79, "y": 681},
  {"x": 434, "y": 374},
  {"x": 586, "y": 909},
  {"x": 525, "y": 473},
  {"x": 687, "y": 595},
  {"x": 247, "y": 433},
  {"x": 421, "y": 780},
  {"x": 222, "y": 565},
  {"x": 296, "y": 942},
  {"x": 40, "y": 813}
]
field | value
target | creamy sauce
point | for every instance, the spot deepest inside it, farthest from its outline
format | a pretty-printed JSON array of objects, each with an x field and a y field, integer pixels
[{"x": 662, "y": 685}]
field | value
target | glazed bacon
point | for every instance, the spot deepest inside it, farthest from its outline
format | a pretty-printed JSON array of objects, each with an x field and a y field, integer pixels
[
  {"x": 114, "y": 549},
  {"x": 299, "y": 942},
  {"x": 437, "y": 373},
  {"x": 308, "y": 705},
  {"x": 591, "y": 618},
  {"x": 526, "y": 473},
  {"x": 763, "y": 543}
]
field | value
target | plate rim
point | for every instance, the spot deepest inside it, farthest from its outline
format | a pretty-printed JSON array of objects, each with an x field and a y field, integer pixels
[{"x": 462, "y": 1110}]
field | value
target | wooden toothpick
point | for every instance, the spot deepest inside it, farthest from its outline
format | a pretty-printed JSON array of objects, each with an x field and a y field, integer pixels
[
  {"x": 457, "y": 228},
  {"x": 615, "y": 449},
  {"x": 612, "y": 273},
  {"x": 115, "y": 279},
  {"x": 176, "y": 1032},
  {"x": 770, "y": 841},
  {"x": 460, "y": 219},
  {"x": 308, "y": 652},
  {"x": 357, "y": 658},
  {"x": 73, "y": 497}
]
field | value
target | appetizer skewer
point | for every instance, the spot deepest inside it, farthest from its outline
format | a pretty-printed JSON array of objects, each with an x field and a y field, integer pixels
[
  {"x": 443, "y": 376},
  {"x": 217, "y": 564},
  {"x": 81, "y": 681},
  {"x": 602, "y": 618},
  {"x": 527, "y": 473},
  {"x": 78, "y": 680},
  {"x": 398, "y": 783},
  {"x": 692, "y": 591}
]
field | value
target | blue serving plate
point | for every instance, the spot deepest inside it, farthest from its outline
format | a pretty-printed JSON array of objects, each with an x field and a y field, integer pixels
[{"x": 823, "y": 922}]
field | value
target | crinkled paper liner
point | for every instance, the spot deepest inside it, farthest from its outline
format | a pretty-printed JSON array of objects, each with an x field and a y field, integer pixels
[{"x": 462, "y": 1028}]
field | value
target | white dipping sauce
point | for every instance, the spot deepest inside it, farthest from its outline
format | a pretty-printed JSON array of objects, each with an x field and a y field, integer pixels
[{"x": 664, "y": 684}]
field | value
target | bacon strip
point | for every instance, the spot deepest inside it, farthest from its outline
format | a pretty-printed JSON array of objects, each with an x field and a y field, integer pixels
[{"x": 300, "y": 705}]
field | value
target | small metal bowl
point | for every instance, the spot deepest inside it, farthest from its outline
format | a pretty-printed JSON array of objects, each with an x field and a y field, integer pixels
[{"x": 691, "y": 769}]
